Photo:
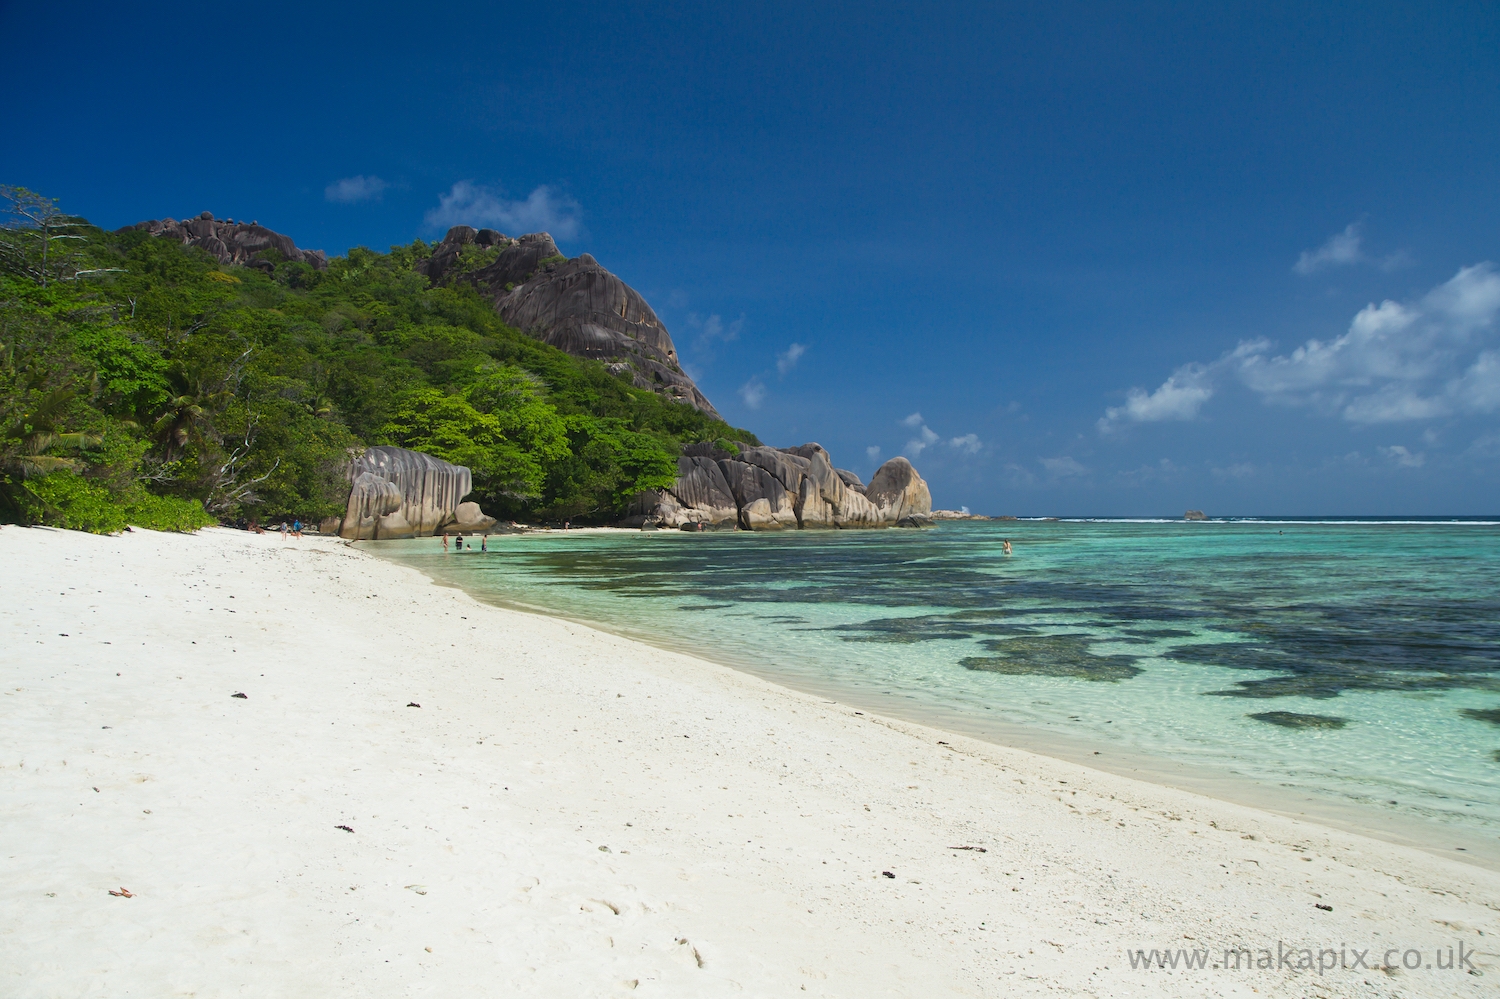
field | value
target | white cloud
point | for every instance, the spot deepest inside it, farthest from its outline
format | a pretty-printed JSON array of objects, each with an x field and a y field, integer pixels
[
  {"x": 1344, "y": 249},
  {"x": 714, "y": 330},
  {"x": 968, "y": 443},
  {"x": 1178, "y": 398},
  {"x": 1396, "y": 362},
  {"x": 925, "y": 439},
  {"x": 873, "y": 452},
  {"x": 1062, "y": 467},
  {"x": 1486, "y": 447},
  {"x": 543, "y": 210},
  {"x": 1241, "y": 470},
  {"x": 357, "y": 188},
  {"x": 753, "y": 392},
  {"x": 787, "y": 360},
  {"x": 1404, "y": 458},
  {"x": 1478, "y": 389},
  {"x": 1341, "y": 249},
  {"x": 1019, "y": 477}
]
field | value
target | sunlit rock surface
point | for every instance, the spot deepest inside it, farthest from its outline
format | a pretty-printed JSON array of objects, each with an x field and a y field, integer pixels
[
  {"x": 900, "y": 493},
  {"x": 764, "y": 488},
  {"x": 397, "y": 493}
]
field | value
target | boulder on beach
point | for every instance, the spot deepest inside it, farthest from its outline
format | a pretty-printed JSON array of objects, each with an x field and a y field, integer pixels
[{"x": 398, "y": 493}]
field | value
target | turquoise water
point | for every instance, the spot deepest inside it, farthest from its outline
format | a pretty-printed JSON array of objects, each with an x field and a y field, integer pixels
[{"x": 1343, "y": 669}]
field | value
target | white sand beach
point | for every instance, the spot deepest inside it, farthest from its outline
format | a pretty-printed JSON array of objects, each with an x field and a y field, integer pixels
[{"x": 422, "y": 795}]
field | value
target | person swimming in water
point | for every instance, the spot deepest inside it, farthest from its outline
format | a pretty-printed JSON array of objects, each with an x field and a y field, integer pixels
[{"x": 1007, "y": 546}]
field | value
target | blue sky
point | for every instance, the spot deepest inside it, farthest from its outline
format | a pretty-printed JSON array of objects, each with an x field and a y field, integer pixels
[{"x": 1114, "y": 259}]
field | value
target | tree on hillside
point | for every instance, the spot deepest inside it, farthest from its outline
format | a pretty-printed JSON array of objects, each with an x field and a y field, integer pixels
[{"x": 29, "y": 226}]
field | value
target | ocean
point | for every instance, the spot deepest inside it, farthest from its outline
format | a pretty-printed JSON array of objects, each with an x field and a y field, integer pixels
[{"x": 1343, "y": 669}]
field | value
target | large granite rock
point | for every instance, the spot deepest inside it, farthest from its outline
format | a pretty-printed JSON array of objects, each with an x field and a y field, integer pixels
[
  {"x": 764, "y": 488},
  {"x": 575, "y": 305},
  {"x": 900, "y": 493},
  {"x": 397, "y": 493},
  {"x": 701, "y": 498},
  {"x": 764, "y": 501},
  {"x": 231, "y": 242}
]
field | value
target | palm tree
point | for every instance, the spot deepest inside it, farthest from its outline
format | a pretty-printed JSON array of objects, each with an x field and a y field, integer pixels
[
  {"x": 24, "y": 444},
  {"x": 188, "y": 412}
]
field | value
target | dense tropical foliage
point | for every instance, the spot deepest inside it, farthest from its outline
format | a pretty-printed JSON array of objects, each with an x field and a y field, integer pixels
[{"x": 142, "y": 382}]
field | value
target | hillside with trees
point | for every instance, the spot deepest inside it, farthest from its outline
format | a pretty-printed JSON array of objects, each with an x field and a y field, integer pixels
[{"x": 144, "y": 382}]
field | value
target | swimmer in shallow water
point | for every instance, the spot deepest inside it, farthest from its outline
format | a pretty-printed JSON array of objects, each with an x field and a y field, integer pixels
[{"x": 1007, "y": 547}]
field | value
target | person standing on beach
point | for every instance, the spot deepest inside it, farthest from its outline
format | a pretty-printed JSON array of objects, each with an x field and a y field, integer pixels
[
  {"x": 282, "y": 529},
  {"x": 297, "y": 529}
]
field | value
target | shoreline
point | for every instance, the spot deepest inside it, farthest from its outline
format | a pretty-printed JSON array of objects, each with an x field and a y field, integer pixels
[
  {"x": 1458, "y": 843},
  {"x": 573, "y": 812}
]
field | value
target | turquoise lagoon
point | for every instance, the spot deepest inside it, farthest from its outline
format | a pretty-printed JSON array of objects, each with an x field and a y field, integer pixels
[{"x": 1345, "y": 670}]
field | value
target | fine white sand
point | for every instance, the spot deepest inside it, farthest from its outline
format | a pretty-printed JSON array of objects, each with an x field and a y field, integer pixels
[{"x": 572, "y": 814}]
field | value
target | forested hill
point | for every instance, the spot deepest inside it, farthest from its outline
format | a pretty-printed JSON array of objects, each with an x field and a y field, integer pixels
[{"x": 140, "y": 377}]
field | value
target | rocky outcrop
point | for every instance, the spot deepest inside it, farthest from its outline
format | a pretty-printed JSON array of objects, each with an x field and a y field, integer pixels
[
  {"x": 575, "y": 305},
  {"x": 900, "y": 492},
  {"x": 700, "y": 499},
  {"x": 396, "y": 493},
  {"x": 231, "y": 242},
  {"x": 765, "y": 488},
  {"x": 960, "y": 515}
]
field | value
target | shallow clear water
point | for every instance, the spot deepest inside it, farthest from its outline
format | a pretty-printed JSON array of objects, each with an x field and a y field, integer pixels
[{"x": 1370, "y": 651}]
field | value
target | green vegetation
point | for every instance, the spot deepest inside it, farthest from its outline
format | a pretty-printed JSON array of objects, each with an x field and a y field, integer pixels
[{"x": 143, "y": 383}]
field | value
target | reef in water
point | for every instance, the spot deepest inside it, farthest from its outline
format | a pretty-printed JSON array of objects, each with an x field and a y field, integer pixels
[
  {"x": 1491, "y": 715},
  {"x": 1290, "y": 719},
  {"x": 1052, "y": 655}
]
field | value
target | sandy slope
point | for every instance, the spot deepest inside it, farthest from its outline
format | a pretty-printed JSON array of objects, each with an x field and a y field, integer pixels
[{"x": 572, "y": 814}]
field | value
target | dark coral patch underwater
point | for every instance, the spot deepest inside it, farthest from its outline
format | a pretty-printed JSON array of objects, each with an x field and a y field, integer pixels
[
  {"x": 1052, "y": 655},
  {"x": 1290, "y": 719}
]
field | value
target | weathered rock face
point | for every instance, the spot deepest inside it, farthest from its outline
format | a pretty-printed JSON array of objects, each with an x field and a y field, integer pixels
[
  {"x": 396, "y": 493},
  {"x": 231, "y": 242},
  {"x": 764, "y": 488},
  {"x": 701, "y": 498},
  {"x": 574, "y": 305},
  {"x": 897, "y": 489}
]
